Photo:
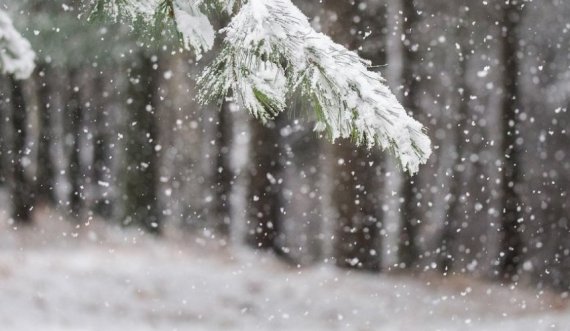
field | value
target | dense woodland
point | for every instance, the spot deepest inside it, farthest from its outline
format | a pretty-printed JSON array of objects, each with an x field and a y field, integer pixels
[{"x": 108, "y": 128}]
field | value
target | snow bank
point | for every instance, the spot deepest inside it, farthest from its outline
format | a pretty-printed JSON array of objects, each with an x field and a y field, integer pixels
[{"x": 74, "y": 280}]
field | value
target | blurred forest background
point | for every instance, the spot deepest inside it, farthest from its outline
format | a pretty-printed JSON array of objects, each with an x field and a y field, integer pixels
[{"x": 108, "y": 128}]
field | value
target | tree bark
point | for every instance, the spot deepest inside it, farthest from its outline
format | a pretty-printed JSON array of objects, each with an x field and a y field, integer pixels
[
  {"x": 141, "y": 177},
  {"x": 45, "y": 178},
  {"x": 4, "y": 141},
  {"x": 264, "y": 202},
  {"x": 408, "y": 250},
  {"x": 74, "y": 171},
  {"x": 223, "y": 178},
  {"x": 357, "y": 238},
  {"x": 512, "y": 242},
  {"x": 102, "y": 154},
  {"x": 21, "y": 192},
  {"x": 452, "y": 224},
  {"x": 357, "y": 242}
]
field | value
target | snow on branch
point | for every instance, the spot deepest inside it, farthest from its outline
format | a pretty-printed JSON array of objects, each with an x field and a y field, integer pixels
[
  {"x": 271, "y": 51},
  {"x": 195, "y": 28},
  {"x": 254, "y": 60},
  {"x": 16, "y": 54},
  {"x": 353, "y": 102}
]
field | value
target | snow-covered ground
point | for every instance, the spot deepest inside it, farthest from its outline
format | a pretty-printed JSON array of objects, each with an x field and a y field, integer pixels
[{"x": 57, "y": 277}]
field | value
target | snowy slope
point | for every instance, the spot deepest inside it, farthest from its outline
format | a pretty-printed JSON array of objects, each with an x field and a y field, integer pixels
[{"x": 96, "y": 278}]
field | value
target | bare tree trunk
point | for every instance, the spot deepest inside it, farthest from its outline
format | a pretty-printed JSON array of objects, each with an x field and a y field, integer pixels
[
  {"x": 512, "y": 241},
  {"x": 75, "y": 173},
  {"x": 223, "y": 173},
  {"x": 358, "y": 238},
  {"x": 452, "y": 224},
  {"x": 141, "y": 177},
  {"x": 264, "y": 217},
  {"x": 355, "y": 191},
  {"x": 408, "y": 251},
  {"x": 102, "y": 153},
  {"x": 45, "y": 179},
  {"x": 4, "y": 141},
  {"x": 21, "y": 192}
]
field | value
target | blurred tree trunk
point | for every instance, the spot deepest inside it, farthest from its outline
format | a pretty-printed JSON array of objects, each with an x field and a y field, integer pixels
[
  {"x": 302, "y": 201},
  {"x": 75, "y": 116},
  {"x": 452, "y": 223},
  {"x": 511, "y": 242},
  {"x": 45, "y": 178},
  {"x": 408, "y": 251},
  {"x": 4, "y": 141},
  {"x": 223, "y": 177},
  {"x": 264, "y": 215},
  {"x": 355, "y": 193},
  {"x": 102, "y": 154},
  {"x": 21, "y": 192},
  {"x": 141, "y": 174},
  {"x": 355, "y": 197}
]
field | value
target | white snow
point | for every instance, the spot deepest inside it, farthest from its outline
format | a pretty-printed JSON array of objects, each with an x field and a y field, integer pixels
[
  {"x": 16, "y": 54},
  {"x": 195, "y": 27},
  {"x": 60, "y": 278}
]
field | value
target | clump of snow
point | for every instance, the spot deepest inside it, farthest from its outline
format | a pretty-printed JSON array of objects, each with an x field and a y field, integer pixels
[
  {"x": 195, "y": 27},
  {"x": 16, "y": 54}
]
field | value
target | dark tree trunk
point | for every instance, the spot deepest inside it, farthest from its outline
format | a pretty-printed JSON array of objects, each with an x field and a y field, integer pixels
[
  {"x": 303, "y": 209},
  {"x": 45, "y": 177},
  {"x": 452, "y": 223},
  {"x": 408, "y": 251},
  {"x": 102, "y": 154},
  {"x": 359, "y": 182},
  {"x": 4, "y": 141},
  {"x": 21, "y": 192},
  {"x": 75, "y": 173},
  {"x": 357, "y": 238},
  {"x": 223, "y": 173},
  {"x": 263, "y": 222},
  {"x": 142, "y": 170},
  {"x": 511, "y": 242}
]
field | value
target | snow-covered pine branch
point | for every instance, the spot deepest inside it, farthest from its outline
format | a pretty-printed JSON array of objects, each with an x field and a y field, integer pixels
[
  {"x": 197, "y": 32},
  {"x": 270, "y": 53},
  {"x": 16, "y": 54},
  {"x": 196, "y": 29}
]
